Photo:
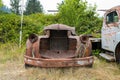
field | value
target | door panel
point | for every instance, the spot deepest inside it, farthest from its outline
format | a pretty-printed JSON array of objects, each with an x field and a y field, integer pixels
[{"x": 109, "y": 30}]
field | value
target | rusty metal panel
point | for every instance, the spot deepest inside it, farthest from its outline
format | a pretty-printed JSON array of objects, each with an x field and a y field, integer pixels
[
  {"x": 58, "y": 48},
  {"x": 87, "y": 61}
]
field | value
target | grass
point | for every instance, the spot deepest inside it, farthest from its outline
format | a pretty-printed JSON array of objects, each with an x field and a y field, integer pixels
[
  {"x": 10, "y": 52},
  {"x": 12, "y": 68}
]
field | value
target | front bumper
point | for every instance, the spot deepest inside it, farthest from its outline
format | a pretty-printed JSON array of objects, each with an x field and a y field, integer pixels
[{"x": 62, "y": 62}]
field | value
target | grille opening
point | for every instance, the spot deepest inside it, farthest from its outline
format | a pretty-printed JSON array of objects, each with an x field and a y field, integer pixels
[{"x": 58, "y": 45}]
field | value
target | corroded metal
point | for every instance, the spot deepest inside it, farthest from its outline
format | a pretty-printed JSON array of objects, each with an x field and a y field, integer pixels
[{"x": 59, "y": 47}]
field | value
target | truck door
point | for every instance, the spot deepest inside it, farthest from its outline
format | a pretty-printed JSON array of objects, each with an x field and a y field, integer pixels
[{"x": 109, "y": 29}]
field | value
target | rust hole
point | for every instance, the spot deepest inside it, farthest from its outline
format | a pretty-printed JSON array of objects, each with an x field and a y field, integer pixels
[{"x": 58, "y": 52}]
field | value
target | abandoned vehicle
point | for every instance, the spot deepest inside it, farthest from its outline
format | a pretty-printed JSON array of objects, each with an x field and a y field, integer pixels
[
  {"x": 59, "y": 47},
  {"x": 111, "y": 34}
]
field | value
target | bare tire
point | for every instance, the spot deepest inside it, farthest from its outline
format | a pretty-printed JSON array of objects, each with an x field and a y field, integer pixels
[{"x": 117, "y": 54}]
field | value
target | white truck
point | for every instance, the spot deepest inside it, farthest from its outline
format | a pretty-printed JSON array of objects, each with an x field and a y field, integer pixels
[{"x": 110, "y": 34}]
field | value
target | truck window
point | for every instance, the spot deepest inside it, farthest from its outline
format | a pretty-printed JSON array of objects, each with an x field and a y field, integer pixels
[{"x": 112, "y": 17}]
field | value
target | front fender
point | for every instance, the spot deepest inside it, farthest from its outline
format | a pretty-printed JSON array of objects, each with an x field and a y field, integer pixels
[
  {"x": 32, "y": 46},
  {"x": 85, "y": 46}
]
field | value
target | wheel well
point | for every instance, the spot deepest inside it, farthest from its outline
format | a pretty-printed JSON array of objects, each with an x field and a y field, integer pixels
[{"x": 117, "y": 52}]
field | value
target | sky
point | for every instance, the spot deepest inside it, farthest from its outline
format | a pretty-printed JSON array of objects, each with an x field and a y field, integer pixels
[{"x": 52, "y": 4}]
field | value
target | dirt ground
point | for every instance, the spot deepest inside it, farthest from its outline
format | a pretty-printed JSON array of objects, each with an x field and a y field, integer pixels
[{"x": 101, "y": 70}]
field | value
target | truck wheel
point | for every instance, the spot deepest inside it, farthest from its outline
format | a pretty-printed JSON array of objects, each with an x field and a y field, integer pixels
[{"x": 117, "y": 54}]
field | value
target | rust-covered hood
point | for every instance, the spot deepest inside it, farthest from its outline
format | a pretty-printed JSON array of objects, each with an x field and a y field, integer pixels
[{"x": 60, "y": 27}]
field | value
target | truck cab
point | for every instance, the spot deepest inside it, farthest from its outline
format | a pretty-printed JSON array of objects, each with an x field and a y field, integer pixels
[{"x": 111, "y": 32}]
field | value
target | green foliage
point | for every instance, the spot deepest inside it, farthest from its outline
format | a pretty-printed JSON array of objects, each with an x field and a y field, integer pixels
[
  {"x": 45, "y": 19},
  {"x": 10, "y": 52},
  {"x": 8, "y": 29},
  {"x": 77, "y": 13},
  {"x": 96, "y": 52},
  {"x": 10, "y": 25},
  {"x": 33, "y": 6},
  {"x": 1, "y": 4},
  {"x": 15, "y": 4},
  {"x": 74, "y": 13}
]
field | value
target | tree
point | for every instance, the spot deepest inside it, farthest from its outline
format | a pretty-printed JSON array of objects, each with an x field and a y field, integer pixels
[
  {"x": 15, "y": 4},
  {"x": 77, "y": 13},
  {"x": 33, "y": 6}
]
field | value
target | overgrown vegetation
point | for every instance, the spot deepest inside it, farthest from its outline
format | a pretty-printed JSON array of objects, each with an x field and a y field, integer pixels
[
  {"x": 11, "y": 52},
  {"x": 96, "y": 52},
  {"x": 1, "y": 3},
  {"x": 75, "y": 13},
  {"x": 10, "y": 25},
  {"x": 81, "y": 15}
]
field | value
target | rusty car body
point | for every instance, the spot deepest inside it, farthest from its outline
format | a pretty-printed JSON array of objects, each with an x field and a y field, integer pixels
[{"x": 59, "y": 47}]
